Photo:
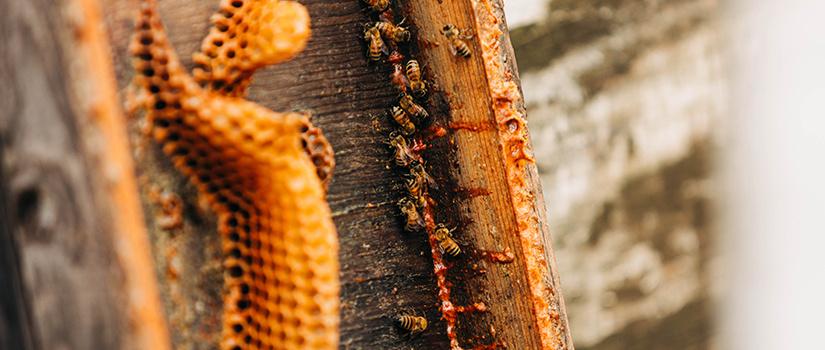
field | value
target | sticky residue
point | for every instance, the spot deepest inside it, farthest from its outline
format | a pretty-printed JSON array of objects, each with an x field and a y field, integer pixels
[
  {"x": 469, "y": 127},
  {"x": 477, "y": 307},
  {"x": 448, "y": 311},
  {"x": 279, "y": 243},
  {"x": 513, "y": 142},
  {"x": 467, "y": 193},
  {"x": 504, "y": 257}
]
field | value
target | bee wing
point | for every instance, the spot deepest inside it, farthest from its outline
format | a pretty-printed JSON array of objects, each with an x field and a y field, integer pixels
[
  {"x": 453, "y": 50},
  {"x": 414, "y": 333},
  {"x": 423, "y": 116},
  {"x": 386, "y": 17},
  {"x": 384, "y": 48},
  {"x": 465, "y": 36},
  {"x": 400, "y": 78},
  {"x": 372, "y": 43},
  {"x": 430, "y": 181},
  {"x": 408, "y": 154},
  {"x": 441, "y": 249},
  {"x": 420, "y": 221},
  {"x": 460, "y": 241},
  {"x": 400, "y": 154}
]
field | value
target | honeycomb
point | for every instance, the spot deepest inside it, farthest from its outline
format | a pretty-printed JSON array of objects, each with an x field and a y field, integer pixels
[
  {"x": 279, "y": 243},
  {"x": 248, "y": 35},
  {"x": 318, "y": 149}
]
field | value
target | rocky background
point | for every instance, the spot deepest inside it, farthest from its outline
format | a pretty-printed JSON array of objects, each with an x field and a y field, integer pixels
[{"x": 625, "y": 100}]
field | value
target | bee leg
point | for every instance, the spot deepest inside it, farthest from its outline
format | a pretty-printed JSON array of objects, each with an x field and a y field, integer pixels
[
  {"x": 432, "y": 182},
  {"x": 461, "y": 34}
]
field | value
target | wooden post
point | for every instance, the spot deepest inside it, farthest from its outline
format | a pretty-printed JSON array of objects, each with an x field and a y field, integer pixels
[{"x": 76, "y": 270}]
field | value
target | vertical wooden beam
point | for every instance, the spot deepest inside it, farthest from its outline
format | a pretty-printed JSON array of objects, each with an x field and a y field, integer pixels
[
  {"x": 486, "y": 116},
  {"x": 76, "y": 256}
]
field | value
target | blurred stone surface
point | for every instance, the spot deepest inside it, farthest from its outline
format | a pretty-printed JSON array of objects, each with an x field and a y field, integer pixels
[{"x": 625, "y": 99}]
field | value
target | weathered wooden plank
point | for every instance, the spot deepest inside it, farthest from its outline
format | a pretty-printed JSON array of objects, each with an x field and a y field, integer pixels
[
  {"x": 53, "y": 218},
  {"x": 72, "y": 273}
]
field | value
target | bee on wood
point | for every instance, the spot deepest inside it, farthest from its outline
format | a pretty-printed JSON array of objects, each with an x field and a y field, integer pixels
[
  {"x": 444, "y": 236},
  {"x": 407, "y": 126},
  {"x": 413, "y": 109},
  {"x": 378, "y": 5},
  {"x": 456, "y": 39},
  {"x": 392, "y": 32},
  {"x": 414, "y": 220},
  {"x": 417, "y": 192},
  {"x": 403, "y": 155},
  {"x": 412, "y": 323},
  {"x": 419, "y": 89},
  {"x": 420, "y": 175},
  {"x": 374, "y": 42}
]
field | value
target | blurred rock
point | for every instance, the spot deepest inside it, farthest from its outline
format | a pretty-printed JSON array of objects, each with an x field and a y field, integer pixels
[{"x": 624, "y": 100}]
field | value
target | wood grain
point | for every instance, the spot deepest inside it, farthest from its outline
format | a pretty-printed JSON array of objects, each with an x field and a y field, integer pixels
[{"x": 75, "y": 272}]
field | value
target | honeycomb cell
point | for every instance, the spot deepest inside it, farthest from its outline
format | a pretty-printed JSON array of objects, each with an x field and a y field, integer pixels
[
  {"x": 319, "y": 151},
  {"x": 248, "y": 163},
  {"x": 248, "y": 35},
  {"x": 251, "y": 34}
]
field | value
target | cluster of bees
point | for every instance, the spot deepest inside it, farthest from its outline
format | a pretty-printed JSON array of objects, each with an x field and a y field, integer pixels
[{"x": 382, "y": 37}]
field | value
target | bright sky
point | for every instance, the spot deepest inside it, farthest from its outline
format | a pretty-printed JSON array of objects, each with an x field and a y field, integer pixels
[{"x": 523, "y": 12}]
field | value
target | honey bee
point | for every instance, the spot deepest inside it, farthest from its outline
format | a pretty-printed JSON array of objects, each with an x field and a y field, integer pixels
[
  {"x": 417, "y": 192},
  {"x": 376, "y": 45},
  {"x": 414, "y": 220},
  {"x": 456, "y": 39},
  {"x": 414, "y": 324},
  {"x": 413, "y": 109},
  {"x": 407, "y": 127},
  {"x": 417, "y": 85},
  {"x": 420, "y": 175},
  {"x": 403, "y": 155},
  {"x": 393, "y": 32},
  {"x": 444, "y": 236},
  {"x": 378, "y": 5}
]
